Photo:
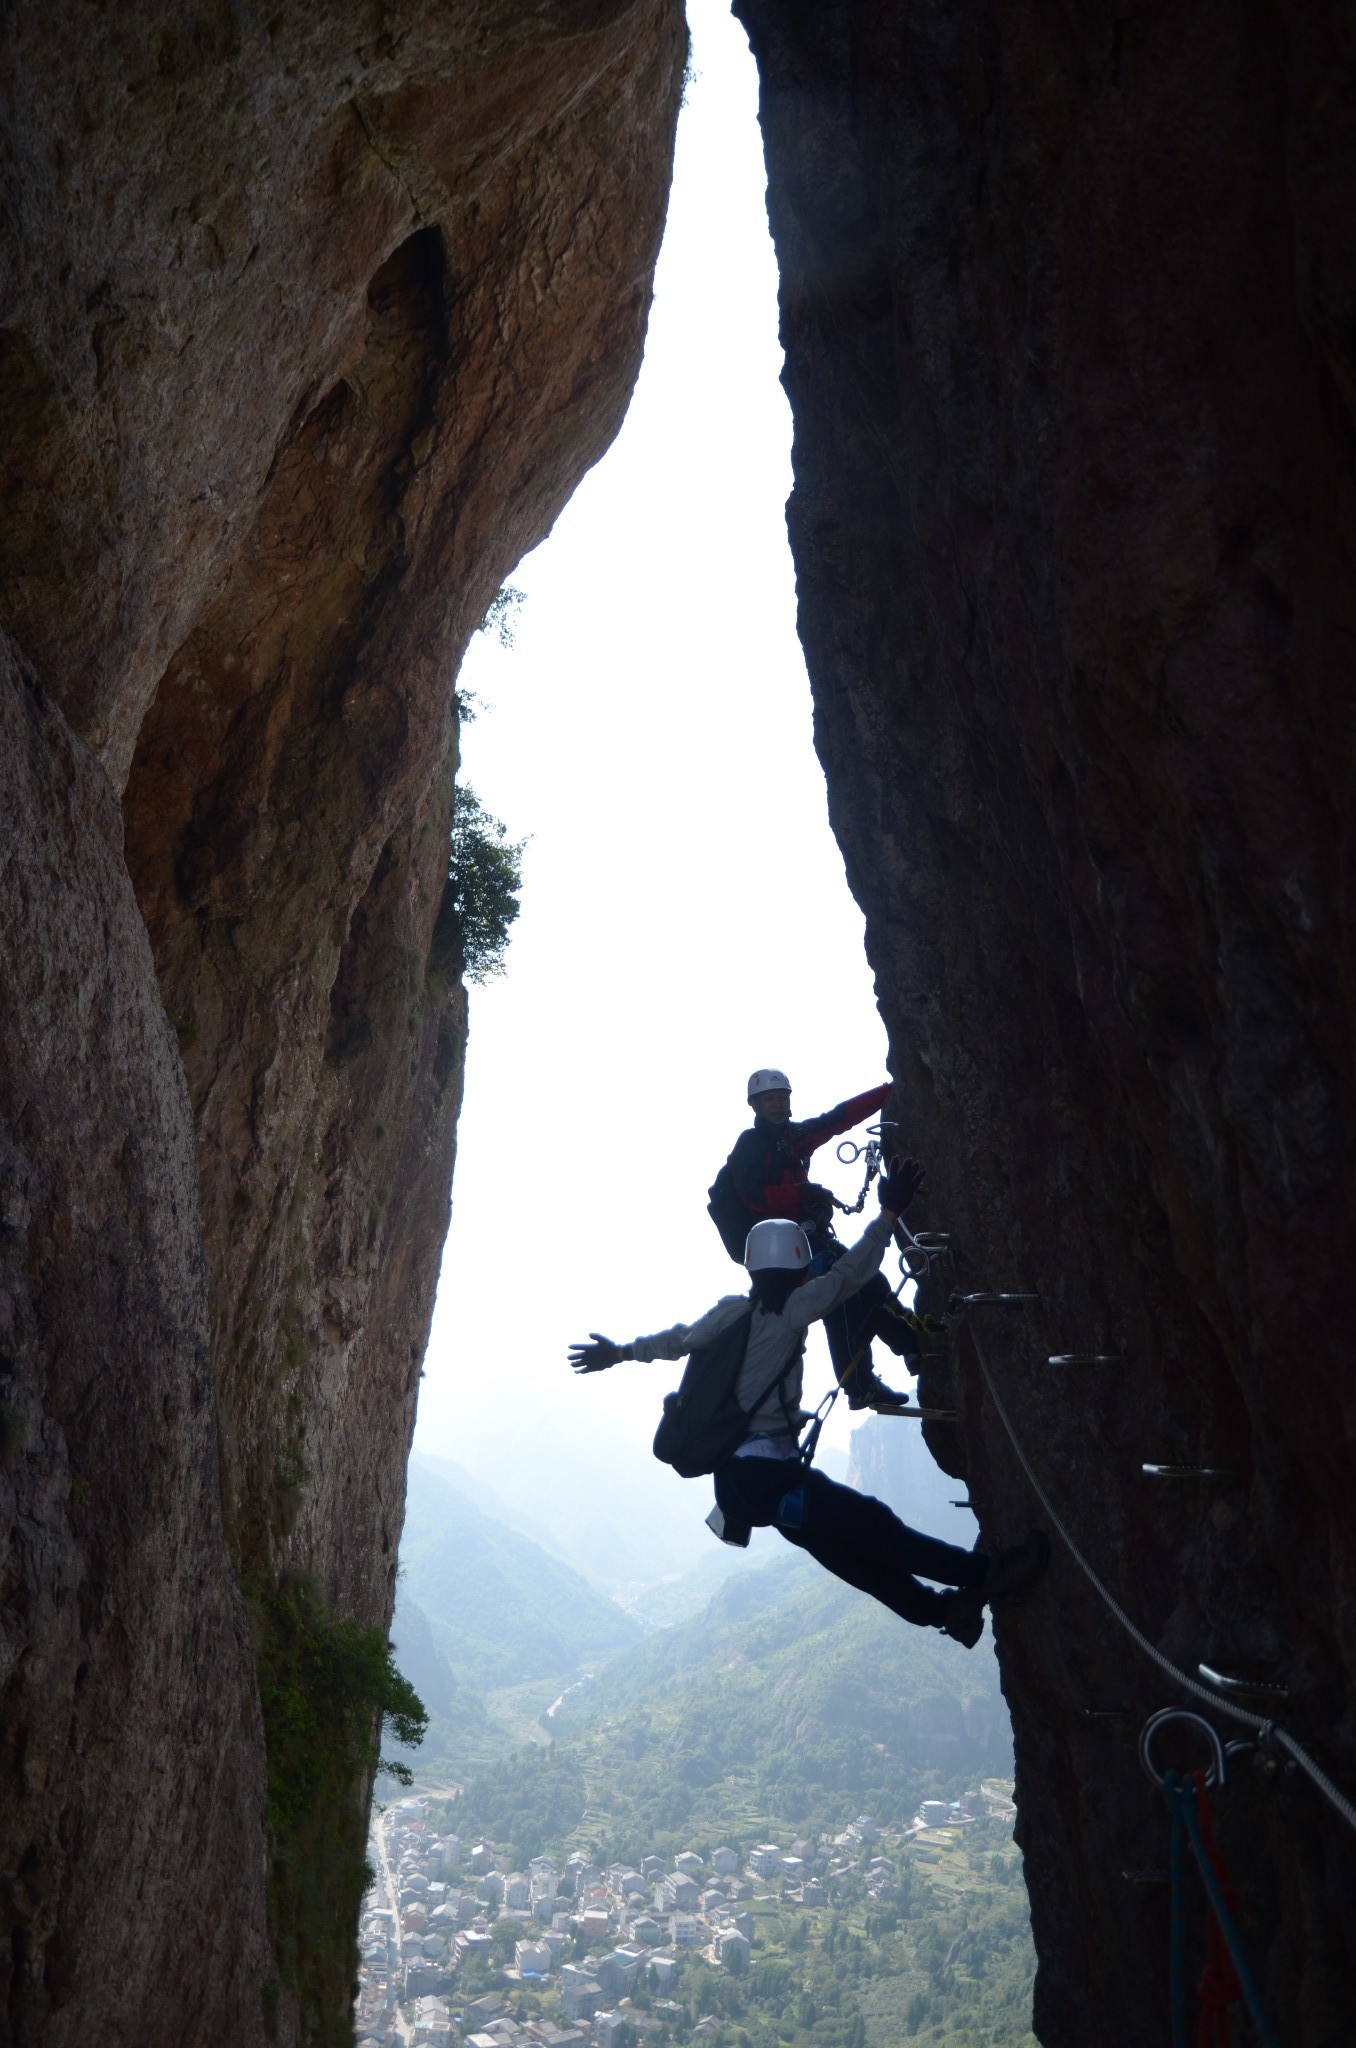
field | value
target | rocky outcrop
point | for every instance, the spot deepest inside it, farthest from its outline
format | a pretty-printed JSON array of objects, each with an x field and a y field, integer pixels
[
  {"x": 1067, "y": 303},
  {"x": 309, "y": 326}
]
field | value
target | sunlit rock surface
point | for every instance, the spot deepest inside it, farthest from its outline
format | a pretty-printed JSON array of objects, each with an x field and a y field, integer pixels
[
  {"x": 310, "y": 324},
  {"x": 1068, "y": 303}
]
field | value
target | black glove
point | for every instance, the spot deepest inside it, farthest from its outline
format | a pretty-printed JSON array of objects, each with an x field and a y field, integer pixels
[
  {"x": 597, "y": 1356},
  {"x": 899, "y": 1184}
]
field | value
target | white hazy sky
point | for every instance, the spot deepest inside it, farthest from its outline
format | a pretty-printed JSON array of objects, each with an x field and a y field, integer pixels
[{"x": 685, "y": 915}]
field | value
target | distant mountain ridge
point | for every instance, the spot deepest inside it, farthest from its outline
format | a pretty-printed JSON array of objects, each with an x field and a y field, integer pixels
[
  {"x": 465, "y": 1482},
  {"x": 608, "y": 1508},
  {"x": 500, "y": 1609}
]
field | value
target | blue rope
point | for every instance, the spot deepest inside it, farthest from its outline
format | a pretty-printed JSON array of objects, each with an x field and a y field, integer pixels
[
  {"x": 1177, "y": 1870},
  {"x": 1182, "y": 1803}
]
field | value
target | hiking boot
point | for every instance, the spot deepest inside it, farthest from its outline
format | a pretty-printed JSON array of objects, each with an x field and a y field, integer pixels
[
  {"x": 964, "y": 1617},
  {"x": 1014, "y": 1571},
  {"x": 867, "y": 1390}
]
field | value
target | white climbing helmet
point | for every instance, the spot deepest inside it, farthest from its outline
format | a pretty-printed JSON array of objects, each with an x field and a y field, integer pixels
[
  {"x": 763, "y": 1078},
  {"x": 778, "y": 1246}
]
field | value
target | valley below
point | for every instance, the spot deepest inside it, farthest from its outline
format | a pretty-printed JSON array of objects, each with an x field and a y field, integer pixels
[{"x": 785, "y": 1818}]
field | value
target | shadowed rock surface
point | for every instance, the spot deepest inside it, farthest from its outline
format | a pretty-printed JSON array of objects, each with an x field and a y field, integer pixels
[
  {"x": 1068, "y": 303},
  {"x": 309, "y": 326},
  {"x": 131, "y": 1748}
]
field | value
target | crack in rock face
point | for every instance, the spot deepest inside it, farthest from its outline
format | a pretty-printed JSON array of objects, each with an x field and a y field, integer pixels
[
  {"x": 1067, "y": 304},
  {"x": 310, "y": 326}
]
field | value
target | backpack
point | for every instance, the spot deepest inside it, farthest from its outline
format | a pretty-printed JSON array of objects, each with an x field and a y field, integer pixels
[
  {"x": 730, "y": 1213},
  {"x": 703, "y": 1423}
]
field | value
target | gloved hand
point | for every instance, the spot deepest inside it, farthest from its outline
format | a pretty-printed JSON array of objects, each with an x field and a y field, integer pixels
[
  {"x": 899, "y": 1184},
  {"x": 597, "y": 1356}
]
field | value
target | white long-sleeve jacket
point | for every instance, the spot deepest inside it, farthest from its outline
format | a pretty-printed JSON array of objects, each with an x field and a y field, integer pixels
[{"x": 774, "y": 1340}]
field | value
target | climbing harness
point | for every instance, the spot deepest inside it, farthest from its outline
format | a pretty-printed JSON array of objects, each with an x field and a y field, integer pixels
[{"x": 1226, "y": 1977}]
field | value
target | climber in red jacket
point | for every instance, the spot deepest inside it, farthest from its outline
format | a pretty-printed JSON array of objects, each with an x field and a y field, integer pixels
[{"x": 768, "y": 1174}]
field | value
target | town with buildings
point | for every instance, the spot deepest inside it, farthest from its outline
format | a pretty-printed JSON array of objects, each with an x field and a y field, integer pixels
[{"x": 448, "y": 1939}]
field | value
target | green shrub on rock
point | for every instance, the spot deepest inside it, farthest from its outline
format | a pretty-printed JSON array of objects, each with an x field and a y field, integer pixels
[
  {"x": 480, "y": 901},
  {"x": 327, "y": 1687}
]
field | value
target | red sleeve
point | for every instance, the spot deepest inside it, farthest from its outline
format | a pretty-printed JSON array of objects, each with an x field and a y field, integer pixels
[{"x": 835, "y": 1121}]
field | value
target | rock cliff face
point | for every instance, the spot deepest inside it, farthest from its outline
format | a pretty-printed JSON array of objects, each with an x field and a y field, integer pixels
[
  {"x": 309, "y": 326},
  {"x": 1068, "y": 303}
]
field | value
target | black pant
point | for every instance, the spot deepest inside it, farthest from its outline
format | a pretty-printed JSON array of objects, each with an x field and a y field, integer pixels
[
  {"x": 850, "y": 1327},
  {"x": 852, "y": 1535}
]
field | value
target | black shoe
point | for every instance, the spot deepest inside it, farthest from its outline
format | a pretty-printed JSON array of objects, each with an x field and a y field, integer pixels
[
  {"x": 964, "y": 1618},
  {"x": 1014, "y": 1571},
  {"x": 865, "y": 1390}
]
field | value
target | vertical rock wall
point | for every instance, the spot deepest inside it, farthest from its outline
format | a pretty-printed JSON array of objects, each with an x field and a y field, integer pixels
[
  {"x": 308, "y": 327},
  {"x": 130, "y": 1742},
  {"x": 1068, "y": 304}
]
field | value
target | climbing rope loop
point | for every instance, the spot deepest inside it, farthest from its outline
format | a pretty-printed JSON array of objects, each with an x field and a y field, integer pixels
[{"x": 1165, "y": 1716}]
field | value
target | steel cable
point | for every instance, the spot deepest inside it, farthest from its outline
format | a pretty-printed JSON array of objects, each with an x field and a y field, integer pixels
[{"x": 1267, "y": 1730}]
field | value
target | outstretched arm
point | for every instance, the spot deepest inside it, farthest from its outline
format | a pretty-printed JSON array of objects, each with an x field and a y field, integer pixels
[
  {"x": 815, "y": 1298},
  {"x": 673, "y": 1343},
  {"x": 814, "y": 1131}
]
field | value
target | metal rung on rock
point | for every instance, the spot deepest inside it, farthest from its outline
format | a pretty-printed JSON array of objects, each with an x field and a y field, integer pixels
[
  {"x": 1085, "y": 1358},
  {"x": 1188, "y": 1472},
  {"x": 921, "y": 1414},
  {"x": 997, "y": 1300},
  {"x": 1146, "y": 1876},
  {"x": 963, "y": 1504},
  {"x": 1104, "y": 1713},
  {"x": 1252, "y": 1688}
]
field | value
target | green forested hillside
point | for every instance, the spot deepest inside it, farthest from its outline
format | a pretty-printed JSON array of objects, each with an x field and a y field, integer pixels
[
  {"x": 791, "y": 1701},
  {"x": 499, "y": 1609},
  {"x": 787, "y": 1707}
]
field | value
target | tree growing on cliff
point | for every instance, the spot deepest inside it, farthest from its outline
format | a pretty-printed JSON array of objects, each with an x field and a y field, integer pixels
[
  {"x": 501, "y": 614},
  {"x": 481, "y": 900}
]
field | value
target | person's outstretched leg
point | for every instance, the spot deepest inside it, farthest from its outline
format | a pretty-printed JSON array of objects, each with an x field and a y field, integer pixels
[
  {"x": 852, "y": 1535},
  {"x": 858, "y": 1539}
]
